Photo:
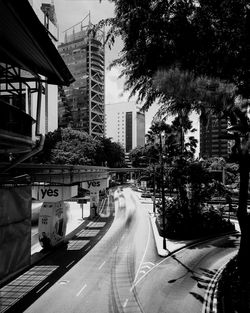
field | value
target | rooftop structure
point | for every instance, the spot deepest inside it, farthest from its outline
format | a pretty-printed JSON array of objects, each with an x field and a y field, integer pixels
[{"x": 81, "y": 105}]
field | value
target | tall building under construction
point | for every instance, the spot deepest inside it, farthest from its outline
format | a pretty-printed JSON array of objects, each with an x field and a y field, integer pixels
[{"x": 81, "y": 105}]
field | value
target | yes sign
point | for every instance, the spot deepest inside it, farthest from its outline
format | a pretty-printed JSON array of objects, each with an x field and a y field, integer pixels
[
  {"x": 49, "y": 193},
  {"x": 56, "y": 193},
  {"x": 95, "y": 184}
]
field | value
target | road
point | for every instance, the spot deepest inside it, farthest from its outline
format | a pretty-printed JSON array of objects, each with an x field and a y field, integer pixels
[
  {"x": 180, "y": 283},
  {"x": 95, "y": 271},
  {"x": 113, "y": 266}
]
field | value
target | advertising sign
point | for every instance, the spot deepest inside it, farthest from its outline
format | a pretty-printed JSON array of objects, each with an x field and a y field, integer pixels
[
  {"x": 54, "y": 193},
  {"x": 52, "y": 223},
  {"x": 95, "y": 185}
]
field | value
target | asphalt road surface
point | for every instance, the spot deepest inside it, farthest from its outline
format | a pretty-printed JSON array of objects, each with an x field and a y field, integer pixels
[
  {"x": 112, "y": 266},
  {"x": 181, "y": 283}
]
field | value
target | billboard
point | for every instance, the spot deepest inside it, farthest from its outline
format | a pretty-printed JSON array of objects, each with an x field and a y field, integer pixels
[{"x": 52, "y": 223}]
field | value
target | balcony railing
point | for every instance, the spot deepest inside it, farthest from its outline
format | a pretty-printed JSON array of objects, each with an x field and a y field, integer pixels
[{"x": 15, "y": 128}]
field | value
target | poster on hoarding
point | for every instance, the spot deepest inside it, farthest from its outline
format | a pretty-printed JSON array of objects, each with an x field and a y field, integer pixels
[{"x": 52, "y": 223}]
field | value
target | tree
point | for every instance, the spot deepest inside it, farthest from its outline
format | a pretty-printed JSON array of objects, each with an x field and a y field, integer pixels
[
  {"x": 68, "y": 146},
  {"x": 113, "y": 153},
  {"x": 207, "y": 37},
  {"x": 204, "y": 38}
]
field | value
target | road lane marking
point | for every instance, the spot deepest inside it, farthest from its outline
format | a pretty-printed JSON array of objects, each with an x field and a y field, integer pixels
[
  {"x": 144, "y": 254},
  {"x": 70, "y": 264},
  {"x": 149, "y": 263},
  {"x": 145, "y": 266},
  {"x": 81, "y": 290},
  {"x": 125, "y": 303},
  {"x": 101, "y": 265},
  {"x": 42, "y": 287},
  {"x": 210, "y": 295},
  {"x": 162, "y": 261}
]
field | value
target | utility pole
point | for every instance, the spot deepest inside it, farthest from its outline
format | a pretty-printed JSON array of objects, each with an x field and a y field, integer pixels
[
  {"x": 154, "y": 188},
  {"x": 163, "y": 195}
]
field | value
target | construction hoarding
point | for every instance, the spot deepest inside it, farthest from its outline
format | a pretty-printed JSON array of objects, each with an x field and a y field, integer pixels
[{"x": 15, "y": 229}]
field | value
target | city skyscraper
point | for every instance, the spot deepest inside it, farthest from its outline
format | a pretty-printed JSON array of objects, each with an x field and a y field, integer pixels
[
  {"x": 125, "y": 124},
  {"x": 212, "y": 143},
  {"x": 81, "y": 105}
]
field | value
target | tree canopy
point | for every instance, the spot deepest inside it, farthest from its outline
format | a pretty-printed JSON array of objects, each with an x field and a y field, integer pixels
[
  {"x": 205, "y": 37},
  {"x": 68, "y": 146}
]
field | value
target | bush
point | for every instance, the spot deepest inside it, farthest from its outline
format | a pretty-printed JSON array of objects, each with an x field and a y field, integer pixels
[{"x": 179, "y": 224}]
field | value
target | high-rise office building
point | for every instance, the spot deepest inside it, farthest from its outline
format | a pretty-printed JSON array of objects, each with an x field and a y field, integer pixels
[
  {"x": 212, "y": 143},
  {"x": 81, "y": 105},
  {"x": 125, "y": 124},
  {"x": 46, "y": 12}
]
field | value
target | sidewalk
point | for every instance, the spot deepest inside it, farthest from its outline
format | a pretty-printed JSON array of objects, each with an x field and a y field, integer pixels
[
  {"x": 174, "y": 245},
  {"x": 76, "y": 216},
  {"x": 171, "y": 245}
]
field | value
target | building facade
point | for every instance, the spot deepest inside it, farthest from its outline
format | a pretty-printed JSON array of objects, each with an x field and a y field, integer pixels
[
  {"x": 81, "y": 105},
  {"x": 125, "y": 124},
  {"x": 46, "y": 12},
  {"x": 212, "y": 143}
]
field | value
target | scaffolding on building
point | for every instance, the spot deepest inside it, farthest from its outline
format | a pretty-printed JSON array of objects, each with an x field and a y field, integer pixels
[{"x": 83, "y": 52}]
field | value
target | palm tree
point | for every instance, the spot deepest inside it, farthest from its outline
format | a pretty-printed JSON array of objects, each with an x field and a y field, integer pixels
[{"x": 182, "y": 93}]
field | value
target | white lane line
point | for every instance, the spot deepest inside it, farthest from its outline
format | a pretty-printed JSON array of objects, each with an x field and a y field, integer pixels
[
  {"x": 145, "y": 266},
  {"x": 144, "y": 254},
  {"x": 101, "y": 265},
  {"x": 89, "y": 247},
  {"x": 70, "y": 264},
  {"x": 125, "y": 303},
  {"x": 81, "y": 290},
  {"x": 149, "y": 263},
  {"x": 42, "y": 287}
]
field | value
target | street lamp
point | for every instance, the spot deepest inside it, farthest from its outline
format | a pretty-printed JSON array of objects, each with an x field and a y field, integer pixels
[
  {"x": 163, "y": 195},
  {"x": 150, "y": 158}
]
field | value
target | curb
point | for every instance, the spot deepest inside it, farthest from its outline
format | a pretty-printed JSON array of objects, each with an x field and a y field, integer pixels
[
  {"x": 161, "y": 252},
  {"x": 39, "y": 256},
  {"x": 211, "y": 296},
  {"x": 164, "y": 253}
]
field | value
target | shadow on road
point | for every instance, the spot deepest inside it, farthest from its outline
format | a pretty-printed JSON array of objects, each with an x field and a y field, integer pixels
[{"x": 19, "y": 294}]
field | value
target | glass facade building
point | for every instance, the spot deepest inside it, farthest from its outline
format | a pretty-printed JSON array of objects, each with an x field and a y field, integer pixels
[{"x": 81, "y": 105}]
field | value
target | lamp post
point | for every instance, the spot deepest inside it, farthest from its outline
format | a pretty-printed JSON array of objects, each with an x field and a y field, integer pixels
[
  {"x": 154, "y": 188},
  {"x": 163, "y": 196},
  {"x": 154, "y": 191}
]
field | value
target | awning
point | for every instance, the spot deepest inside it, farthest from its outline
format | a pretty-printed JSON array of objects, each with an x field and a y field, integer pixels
[{"x": 24, "y": 42}]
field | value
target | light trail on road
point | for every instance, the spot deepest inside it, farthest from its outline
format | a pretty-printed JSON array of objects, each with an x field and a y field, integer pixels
[{"x": 114, "y": 268}]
